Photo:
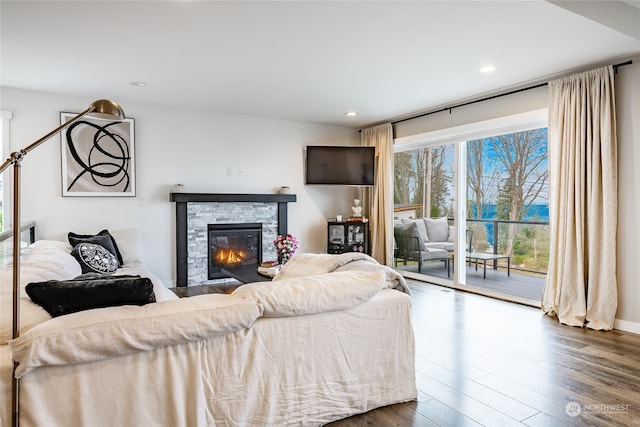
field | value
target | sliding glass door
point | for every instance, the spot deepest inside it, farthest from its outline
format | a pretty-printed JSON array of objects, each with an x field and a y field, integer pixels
[
  {"x": 424, "y": 205},
  {"x": 489, "y": 183}
]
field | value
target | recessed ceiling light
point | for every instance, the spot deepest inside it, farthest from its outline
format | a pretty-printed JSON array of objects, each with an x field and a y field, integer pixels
[
  {"x": 138, "y": 84},
  {"x": 350, "y": 113},
  {"x": 487, "y": 69}
]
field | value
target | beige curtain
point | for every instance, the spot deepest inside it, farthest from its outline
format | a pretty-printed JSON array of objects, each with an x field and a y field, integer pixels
[
  {"x": 581, "y": 287},
  {"x": 380, "y": 197}
]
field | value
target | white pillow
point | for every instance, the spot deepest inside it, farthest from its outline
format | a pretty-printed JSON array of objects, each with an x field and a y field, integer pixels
[{"x": 129, "y": 243}]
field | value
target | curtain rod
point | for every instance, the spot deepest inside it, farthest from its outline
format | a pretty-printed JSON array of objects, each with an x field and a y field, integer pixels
[{"x": 615, "y": 69}]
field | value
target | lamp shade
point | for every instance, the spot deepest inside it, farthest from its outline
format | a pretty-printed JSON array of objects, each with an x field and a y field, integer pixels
[{"x": 106, "y": 109}]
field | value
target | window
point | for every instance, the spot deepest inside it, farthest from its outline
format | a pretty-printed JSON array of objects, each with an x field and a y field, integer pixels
[
  {"x": 5, "y": 116},
  {"x": 423, "y": 180}
]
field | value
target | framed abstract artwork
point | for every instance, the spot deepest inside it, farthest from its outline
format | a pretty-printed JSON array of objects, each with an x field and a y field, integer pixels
[{"x": 98, "y": 157}]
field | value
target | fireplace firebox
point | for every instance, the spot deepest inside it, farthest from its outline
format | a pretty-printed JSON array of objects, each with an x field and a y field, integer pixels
[{"x": 233, "y": 245}]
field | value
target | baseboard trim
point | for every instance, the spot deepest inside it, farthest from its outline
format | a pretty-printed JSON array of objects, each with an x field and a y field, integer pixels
[{"x": 624, "y": 325}]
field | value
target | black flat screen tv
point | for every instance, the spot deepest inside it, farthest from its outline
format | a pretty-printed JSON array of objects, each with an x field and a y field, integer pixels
[{"x": 340, "y": 165}]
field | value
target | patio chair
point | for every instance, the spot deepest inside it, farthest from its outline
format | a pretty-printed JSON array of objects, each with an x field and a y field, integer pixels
[{"x": 410, "y": 247}]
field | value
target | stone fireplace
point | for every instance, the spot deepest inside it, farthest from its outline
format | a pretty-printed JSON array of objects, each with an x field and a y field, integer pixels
[{"x": 196, "y": 212}]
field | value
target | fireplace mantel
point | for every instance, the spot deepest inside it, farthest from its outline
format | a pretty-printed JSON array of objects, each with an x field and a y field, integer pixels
[
  {"x": 230, "y": 197},
  {"x": 182, "y": 199}
]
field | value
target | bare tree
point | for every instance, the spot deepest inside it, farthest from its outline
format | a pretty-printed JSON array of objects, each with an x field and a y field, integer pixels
[
  {"x": 420, "y": 158},
  {"x": 426, "y": 190},
  {"x": 482, "y": 184},
  {"x": 522, "y": 154},
  {"x": 422, "y": 178},
  {"x": 482, "y": 177},
  {"x": 403, "y": 174},
  {"x": 409, "y": 167},
  {"x": 440, "y": 178}
]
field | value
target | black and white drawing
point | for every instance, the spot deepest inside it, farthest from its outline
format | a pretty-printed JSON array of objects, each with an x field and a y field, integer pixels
[{"x": 98, "y": 157}]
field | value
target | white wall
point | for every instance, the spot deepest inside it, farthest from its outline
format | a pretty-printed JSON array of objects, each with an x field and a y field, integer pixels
[
  {"x": 627, "y": 84},
  {"x": 191, "y": 147}
]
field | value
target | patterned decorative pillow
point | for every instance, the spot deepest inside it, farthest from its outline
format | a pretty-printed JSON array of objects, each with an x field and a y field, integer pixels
[{"x": 95, "y": 258}]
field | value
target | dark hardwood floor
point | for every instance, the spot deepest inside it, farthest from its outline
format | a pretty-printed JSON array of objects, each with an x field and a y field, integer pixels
[{"x": 487, "y": 362}]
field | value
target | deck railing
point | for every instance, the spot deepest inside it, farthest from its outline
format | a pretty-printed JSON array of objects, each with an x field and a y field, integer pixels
[{"x": 528, "y": 247}]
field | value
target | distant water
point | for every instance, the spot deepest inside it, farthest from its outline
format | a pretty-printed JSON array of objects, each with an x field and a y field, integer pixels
[{"x": 537, "y": 212}]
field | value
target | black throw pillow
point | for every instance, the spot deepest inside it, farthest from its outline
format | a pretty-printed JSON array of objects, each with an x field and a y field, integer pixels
[
  {"x": 90, "y": 291},
  {"x": 103, "y": 238},
  {"x": 94, "y": 258}
]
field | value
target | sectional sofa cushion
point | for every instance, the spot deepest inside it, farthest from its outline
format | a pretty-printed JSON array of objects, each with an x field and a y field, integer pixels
[{"x": 437, "y": 229}]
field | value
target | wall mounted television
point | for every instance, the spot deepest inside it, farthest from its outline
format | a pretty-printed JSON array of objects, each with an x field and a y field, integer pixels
[{"x": 340, "y": 165}]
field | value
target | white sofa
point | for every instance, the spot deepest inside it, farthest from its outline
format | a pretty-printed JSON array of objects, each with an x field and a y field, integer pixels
[{"x": 330, "y": 337}]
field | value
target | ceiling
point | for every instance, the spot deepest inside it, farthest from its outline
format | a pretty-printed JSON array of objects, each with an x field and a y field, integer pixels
[{"x": 303, "y": 60}]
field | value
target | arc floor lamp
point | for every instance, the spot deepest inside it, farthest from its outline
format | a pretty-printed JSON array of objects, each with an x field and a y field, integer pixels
[{"x": 102, "y": 108}]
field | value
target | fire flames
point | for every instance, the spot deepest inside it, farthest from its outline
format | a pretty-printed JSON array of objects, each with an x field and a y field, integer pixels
[{"x": 229, "y": 256}]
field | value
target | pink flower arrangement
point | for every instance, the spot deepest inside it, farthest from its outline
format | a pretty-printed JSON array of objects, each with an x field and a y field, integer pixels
[{"x": 285, "y": 247}]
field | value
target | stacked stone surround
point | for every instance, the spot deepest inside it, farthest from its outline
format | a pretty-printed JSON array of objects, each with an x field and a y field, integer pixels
[{"x": 201, "y": 214}]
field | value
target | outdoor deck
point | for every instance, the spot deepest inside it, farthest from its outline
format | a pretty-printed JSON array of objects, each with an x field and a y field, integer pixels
[{"x": 517, "y": 285}]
